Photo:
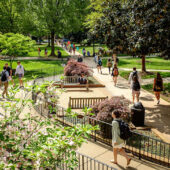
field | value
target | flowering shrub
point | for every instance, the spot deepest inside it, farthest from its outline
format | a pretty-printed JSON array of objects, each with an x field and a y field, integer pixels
[
  {"x": 103, "y": 112},
  {"x": 76, "y": 68}
]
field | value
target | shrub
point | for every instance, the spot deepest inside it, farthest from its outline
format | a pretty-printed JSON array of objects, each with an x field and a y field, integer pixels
[
  {"x": 103, "y": 112},
  {"x": 76, "y": 68}
]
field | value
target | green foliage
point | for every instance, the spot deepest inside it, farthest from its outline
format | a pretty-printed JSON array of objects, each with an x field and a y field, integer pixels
[{"x": 29, "y": 141}]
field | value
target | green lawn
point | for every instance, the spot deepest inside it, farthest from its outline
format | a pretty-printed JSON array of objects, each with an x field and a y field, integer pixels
[
  {"x": 125, "y": 74},
  {"x": 165, "y": 94},
  {"x": 38, "y": 68},
  {"x": 34, "y": 53},
  {"x": 151, "y": 63}
]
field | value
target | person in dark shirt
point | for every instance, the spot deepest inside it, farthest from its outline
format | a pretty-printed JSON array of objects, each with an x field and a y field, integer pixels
[
  {"x": 82, "y": 79},
  {"x": 59, "y": 54},
  {"x": 80, "y": 59},
  {"x": 9, "y": 70}
]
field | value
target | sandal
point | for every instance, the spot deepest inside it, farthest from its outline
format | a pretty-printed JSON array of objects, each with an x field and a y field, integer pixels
[
  {"x": 128, "y": 162},
  {"x": 112, "y": 161}
]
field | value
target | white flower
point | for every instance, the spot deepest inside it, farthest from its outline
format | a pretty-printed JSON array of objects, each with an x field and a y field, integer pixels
[{"x": 71, "y": 143}]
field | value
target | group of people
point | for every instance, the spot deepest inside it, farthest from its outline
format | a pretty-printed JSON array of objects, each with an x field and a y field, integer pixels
[
  {"x": 134, "y": 81},
  {"x": 6, "y": 76},
  {"x": 59, "y": 55}
]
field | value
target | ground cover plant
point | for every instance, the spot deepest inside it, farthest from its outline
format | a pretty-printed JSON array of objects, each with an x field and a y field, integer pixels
[
  {"x": 76, "y": 68},
  {"x": 29, "y": 141},
  {"x": 156, "y": 63},
  {"x": 165, "y": 94}
]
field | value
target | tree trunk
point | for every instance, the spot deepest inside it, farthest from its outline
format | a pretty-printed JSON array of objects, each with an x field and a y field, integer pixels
[
  {"x": 49, "y": 41},
  {"x": 115, "y": 58},
  {"x": 143, "y": 64},
  {"x": 52, "y": 44}
]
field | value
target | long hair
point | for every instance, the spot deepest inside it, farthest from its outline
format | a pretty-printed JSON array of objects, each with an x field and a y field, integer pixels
[
  {"x": 135, "y": 79},
  {"x": 158, "y": 76}
]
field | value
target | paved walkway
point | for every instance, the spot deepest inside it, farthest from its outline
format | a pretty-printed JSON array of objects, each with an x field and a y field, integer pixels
[
  {"x": 157, "y": 116},
  {"x": 104, "y": 154}
]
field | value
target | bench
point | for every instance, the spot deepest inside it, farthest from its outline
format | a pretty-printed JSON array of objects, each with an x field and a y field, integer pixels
[
  {"x": 72, "y": 82},
  {"x": 81, "y": 103}
]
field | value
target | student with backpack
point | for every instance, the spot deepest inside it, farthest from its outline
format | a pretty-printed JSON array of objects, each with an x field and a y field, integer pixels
[
  {"x": 99, "y": 65},
  {"x": 158, "y": 86},
  {"x": 109, "y": 64},
  {"x": 115, "y": 73},
  {"x": 135, "y": 88},
  {"x": 4, "y": 81},
  {"x": 39, "y": 51},
  {"x": 120, "y": 132},
  {"x": 132, "y": 74}
]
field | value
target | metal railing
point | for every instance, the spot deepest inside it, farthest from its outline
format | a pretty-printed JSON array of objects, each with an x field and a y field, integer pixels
[
  {"x": 85, "y": 162},
  {"x": 142, "y": 146}
]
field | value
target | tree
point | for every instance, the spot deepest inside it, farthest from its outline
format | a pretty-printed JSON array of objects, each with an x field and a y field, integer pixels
[
  {"x": 111, "y": 25},
  {"x": 59, "y": 17},
  {"x": 13, "y": 45},
  {"x": 33, "y": 142},
  {"x": 150, "y": 30}
]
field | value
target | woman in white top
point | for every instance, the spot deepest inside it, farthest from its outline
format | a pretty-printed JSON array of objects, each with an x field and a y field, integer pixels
[
  {"x": 20, "y": 72},
  {"x": 117, "y": 142}
]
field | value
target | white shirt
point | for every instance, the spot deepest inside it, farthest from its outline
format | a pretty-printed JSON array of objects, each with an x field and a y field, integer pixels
[
  {"x": 131, "y": 78},
  {"x": 19, "y": 70}
]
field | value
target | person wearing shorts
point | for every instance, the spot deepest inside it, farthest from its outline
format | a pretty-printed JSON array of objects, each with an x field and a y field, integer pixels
[
  {"x": 4, "y": 81},
  {"x": 20, "y": 73},
  {"x": 115, "y": 73},
  {"x": 9, "y": 70},
  {"x": 117, "y": 142},
  {"x": 135, "y": 89}
]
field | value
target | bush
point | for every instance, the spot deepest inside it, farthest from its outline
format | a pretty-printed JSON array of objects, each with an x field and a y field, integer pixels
[
  {"x": 103, "y": 112},
  {"x": 76, "y": 68}
]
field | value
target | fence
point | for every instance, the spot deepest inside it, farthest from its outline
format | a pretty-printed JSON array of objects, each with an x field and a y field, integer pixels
[
  {"x": 86, "y": 162},
  {"x": 142, "y": 146}
]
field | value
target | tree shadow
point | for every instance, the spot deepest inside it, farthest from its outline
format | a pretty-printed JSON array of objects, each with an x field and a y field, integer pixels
[{"x": 147, "y": 98}]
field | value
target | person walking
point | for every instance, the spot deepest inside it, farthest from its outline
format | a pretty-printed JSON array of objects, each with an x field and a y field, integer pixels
[
  {"x": 117, "y": 142},
  {"x": 4, "y": 81},
  {"x": 115, "y": 73},
  {"x": 135, "y": 89},
  {"x": 158, "y": 87},
  {"x": 20, "y": 72},
  {"x": 99, "y": 65},
  {"x": 74, "y": 49},
  {"x": 10, "y": 73},
  {"x": 132, "y": 74},
  {"x": 84, "y": 52},
  {"x": 109, "y": 64},
  {"x": 46, "y": 52}
]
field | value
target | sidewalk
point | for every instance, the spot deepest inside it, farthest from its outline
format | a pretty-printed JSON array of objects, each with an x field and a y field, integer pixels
[
  {"x": 105, "y": 154},
  {"x": 157, "y": 116}
]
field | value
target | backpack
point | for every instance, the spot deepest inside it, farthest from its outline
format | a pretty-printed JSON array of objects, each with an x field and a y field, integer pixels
[
  {"x": 115, "y": 72},
  {"x": 109, "y": 64},
  {"x": 3, "y": 76},
  {"x": 100, "y": 63},
  {"x": 125, "y": 132},
  {"x": 136, "y": 86},
  {"x": 134, "y": 74}
]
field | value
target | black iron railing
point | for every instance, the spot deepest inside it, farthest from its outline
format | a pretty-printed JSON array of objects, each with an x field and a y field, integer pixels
[{"x": 142, "y": 146}]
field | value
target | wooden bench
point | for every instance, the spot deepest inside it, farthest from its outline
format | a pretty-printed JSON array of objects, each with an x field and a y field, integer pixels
[
  {"x": 81, "y": 103},
  {"x": 72, "y": 82}
]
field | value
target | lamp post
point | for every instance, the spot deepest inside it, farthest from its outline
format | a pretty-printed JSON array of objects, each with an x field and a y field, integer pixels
[{"x": 93, "y": 44}]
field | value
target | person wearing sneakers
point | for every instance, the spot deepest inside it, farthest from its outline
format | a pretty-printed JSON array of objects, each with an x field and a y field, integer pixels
[
  {"x": 20, "y": 72},
  {"x": 4, "y": 81},
  {"x": 158, "y": 87},
  {"x": 117, "y": 142}
]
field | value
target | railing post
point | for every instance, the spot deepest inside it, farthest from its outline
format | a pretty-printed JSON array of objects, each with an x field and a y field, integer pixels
[{"x": 95, "y": 131}]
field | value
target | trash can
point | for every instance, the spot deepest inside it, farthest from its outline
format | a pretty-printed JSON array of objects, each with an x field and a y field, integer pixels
[{"x": 138, "y": 114}]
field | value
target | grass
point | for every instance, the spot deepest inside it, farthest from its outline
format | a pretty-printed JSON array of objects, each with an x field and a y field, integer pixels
[
  {"x": 165, "y": 94},
  {"x": 34, "y": 53},
  {"x": 38, "y": 68},
  {"x": 125, "y": 74},
  {"x": 156, "y": 63}
]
